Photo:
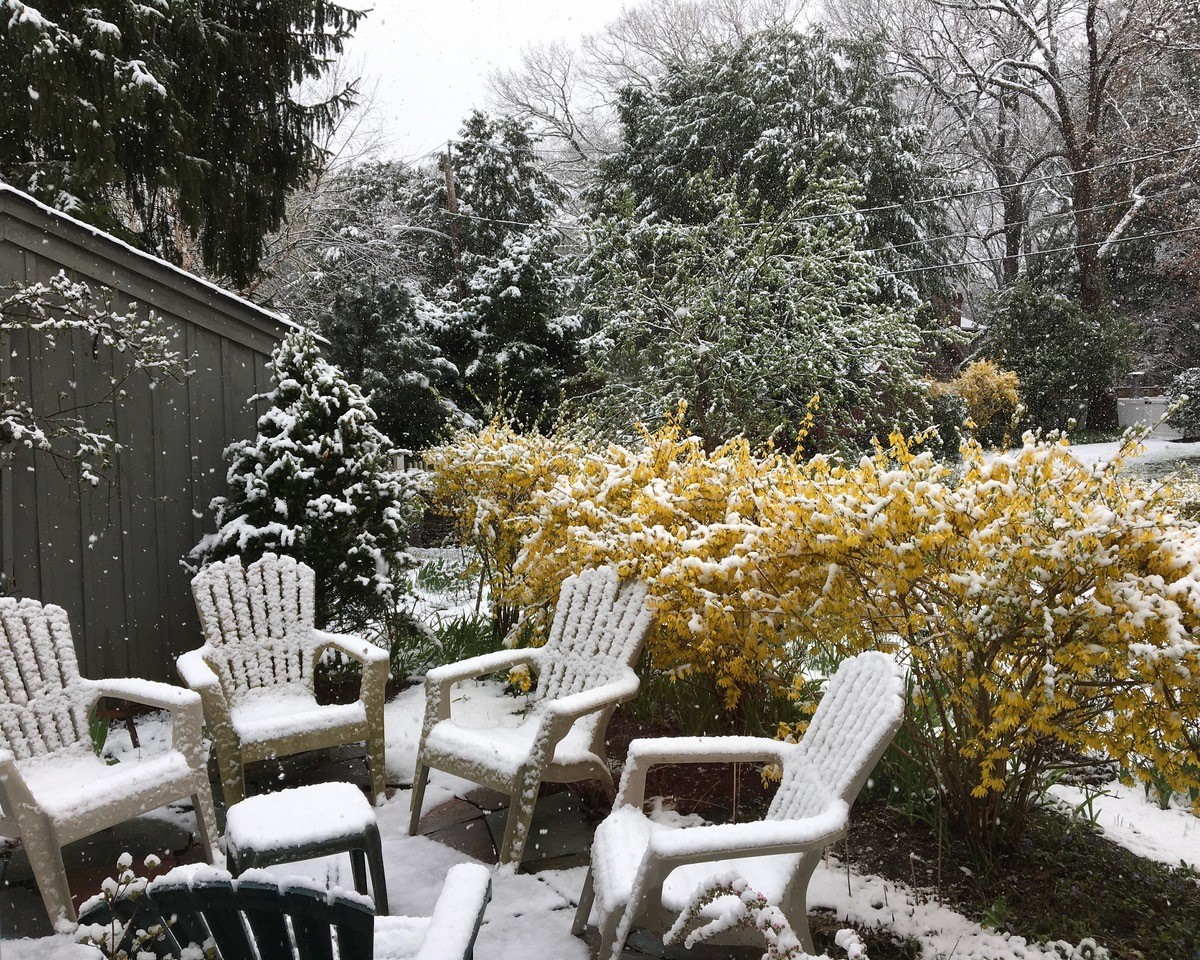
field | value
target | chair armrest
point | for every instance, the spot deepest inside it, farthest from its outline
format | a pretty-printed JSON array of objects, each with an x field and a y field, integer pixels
[
  {"x": 161, "y": 696},
  {"x": 352, "y": 646},
  {"x": 457, "y": 913},
  {"x": 439, "y": 680},
  {"x": 755, "y": 839},
  {"x": 187, "y": 716},
  {"x": 576, "y": 705},
  {"x": 195, "y": 672},
  {"x": 559, "y": 715},
  {"x": 481, "y": 666},
  {"x": 646, "y": 753}
]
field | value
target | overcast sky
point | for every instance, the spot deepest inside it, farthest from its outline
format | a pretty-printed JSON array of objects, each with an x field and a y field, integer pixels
[{"x": 431, "y": 59}]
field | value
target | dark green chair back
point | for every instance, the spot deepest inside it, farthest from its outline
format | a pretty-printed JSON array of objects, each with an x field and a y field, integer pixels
[{"x": 246, "y": 919}]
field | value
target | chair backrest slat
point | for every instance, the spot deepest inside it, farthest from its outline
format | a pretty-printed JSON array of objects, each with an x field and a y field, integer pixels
[
  {"x": 859, "y": 714},
  {"x": 257, "y": 620},
  {"x": 43, "y": 703},
  {"x": 598, "y": 629}
]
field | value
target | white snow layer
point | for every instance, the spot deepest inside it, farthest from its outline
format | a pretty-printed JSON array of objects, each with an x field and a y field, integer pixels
[{"x": 535, "y": 911}]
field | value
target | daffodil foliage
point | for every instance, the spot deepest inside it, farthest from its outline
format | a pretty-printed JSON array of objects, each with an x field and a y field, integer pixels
[{"x": 1045, "y": 609}]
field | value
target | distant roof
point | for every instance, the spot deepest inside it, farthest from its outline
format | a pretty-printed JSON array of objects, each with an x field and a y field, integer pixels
[{"x": 45, "y": 219}]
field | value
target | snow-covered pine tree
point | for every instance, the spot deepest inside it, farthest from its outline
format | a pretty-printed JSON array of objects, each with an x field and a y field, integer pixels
[
  {"x": 157, "y": 118},
  {"x": 775, "y": 115},
  {"x": 353, "y": 277},
  {"x": 318, "y": 483},
  {"x": 503, "y": 295}
]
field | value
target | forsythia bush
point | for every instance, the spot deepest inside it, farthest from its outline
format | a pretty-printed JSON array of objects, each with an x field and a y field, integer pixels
[
  {"x": 991, "y": 396},
  {"x": 486, "y": 479},
  {"x": 1040, "y": 605}
]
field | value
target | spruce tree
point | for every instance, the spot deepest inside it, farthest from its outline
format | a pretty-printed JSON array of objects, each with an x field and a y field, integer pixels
[
  {"x": 318, "y": 483},
  {"x": 500, "y": 282},
  {"x": 157, "y": 119}
]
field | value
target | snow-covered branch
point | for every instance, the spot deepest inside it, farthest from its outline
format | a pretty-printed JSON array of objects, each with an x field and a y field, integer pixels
[{"x": 56, "y": 313}]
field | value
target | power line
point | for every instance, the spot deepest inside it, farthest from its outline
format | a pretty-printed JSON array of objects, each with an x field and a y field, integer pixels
[{"x": 1064, "y": 249}]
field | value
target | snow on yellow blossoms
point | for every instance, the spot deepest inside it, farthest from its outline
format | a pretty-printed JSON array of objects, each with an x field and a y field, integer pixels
[{"x": 1042, "y": 606}]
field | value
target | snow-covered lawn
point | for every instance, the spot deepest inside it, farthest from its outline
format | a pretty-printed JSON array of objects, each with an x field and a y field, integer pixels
[{"x": 535, "y": 911}]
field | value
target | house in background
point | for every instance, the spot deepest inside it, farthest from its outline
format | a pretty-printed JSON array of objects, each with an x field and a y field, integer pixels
[{"x": 111, "y": 555}]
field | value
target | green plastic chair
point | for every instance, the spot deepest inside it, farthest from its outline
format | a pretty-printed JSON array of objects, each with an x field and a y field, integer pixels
[{"x": 260, "y": 917}]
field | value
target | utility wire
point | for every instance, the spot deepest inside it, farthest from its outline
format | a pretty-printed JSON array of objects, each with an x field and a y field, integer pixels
[{"x": 1064, "y": 249}]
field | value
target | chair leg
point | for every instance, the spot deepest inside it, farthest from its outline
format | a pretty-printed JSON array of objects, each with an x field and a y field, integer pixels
[
  {"x": 420, "y": 778},
  {"x": 586, "y": 898},
  {"x": 612, "y": 942},
  {"x": 206, "y": 819},
  {"x": 358, "y": 867},
  {"x": 376, "y": 767},
  {"x": 233, "y": 777},
  {"x": 516, "y": 832},
  {"x": 45, "y": 860},
  {"x": 375, "y": 863}
]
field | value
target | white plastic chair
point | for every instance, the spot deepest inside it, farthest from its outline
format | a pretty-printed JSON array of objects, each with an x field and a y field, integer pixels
[
  {"x": 643, "y": 873},
  {"x": 584, "y": 670},
  {"x": 53, "y": 787},
  {"x": 255, "y": 671}
]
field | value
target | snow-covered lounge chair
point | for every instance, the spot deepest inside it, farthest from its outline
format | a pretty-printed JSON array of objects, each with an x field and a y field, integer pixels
[
  {"x": 258, "y": 915},
  {"x": 255, "y": 671},
  {"x": 643, "y": 873},
  {"x": 53, "y": 787},
  {"x": 584, "y": 671}
]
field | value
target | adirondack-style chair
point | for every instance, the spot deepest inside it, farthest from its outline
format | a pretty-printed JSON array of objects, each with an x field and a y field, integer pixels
[
  {"x": 584, "y": 671},
  {"x": 643, "y": 873},
  {"x": 255, "y": 671},
  {"x": 53, "y": 787},
  {"x": 259, "y": 917}
]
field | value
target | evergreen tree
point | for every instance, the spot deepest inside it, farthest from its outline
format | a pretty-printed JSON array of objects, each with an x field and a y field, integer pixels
[
  {"x": 499, "y": 280},
  {"x": 1067, "y": 359},
  {"x": 354, "y": 281},
  {"x": 159, "y": 118},
  {"x": 318, "y": 483},
  {"x": 776, "y": 115},
  {"x": 747, "y": 316}
]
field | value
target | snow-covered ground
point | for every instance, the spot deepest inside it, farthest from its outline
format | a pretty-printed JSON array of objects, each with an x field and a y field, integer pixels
[
  {"x": 535, "y": 911},
  {"x": 1158, "y": 458}
]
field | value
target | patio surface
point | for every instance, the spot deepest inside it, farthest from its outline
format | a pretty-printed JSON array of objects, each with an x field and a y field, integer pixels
[{"x": 531, "y": 910}]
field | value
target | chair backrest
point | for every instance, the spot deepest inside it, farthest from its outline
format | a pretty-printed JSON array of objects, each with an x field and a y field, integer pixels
[
  {"x": 599, "y": 626},
  {"x": 257, "y": 620},
  {"x": 245, "y": 919},
  {"x": 859, "y": 714},
  {"x": 43, "y": 704}
]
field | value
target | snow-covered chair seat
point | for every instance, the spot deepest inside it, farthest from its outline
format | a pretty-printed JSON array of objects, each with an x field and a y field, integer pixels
[
  {"x": 255, "y": 671},
  {"x": 584, "y": 671},
  {"x": 644, "y": 873},
  {"x": 258, "y": 916},
  {"x": 53, "y": 787}
]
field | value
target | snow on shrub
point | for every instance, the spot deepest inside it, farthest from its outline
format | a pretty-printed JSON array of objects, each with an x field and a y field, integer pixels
[
  {"x": 1187, "y": 418},
  {"x": 318, "y": 483},
  {"x": 745, "y": 909},
  {"x": 485, "y": 480},
  {"x": 1041, "y": 605},
  {"x": 990, "y": 394}
]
